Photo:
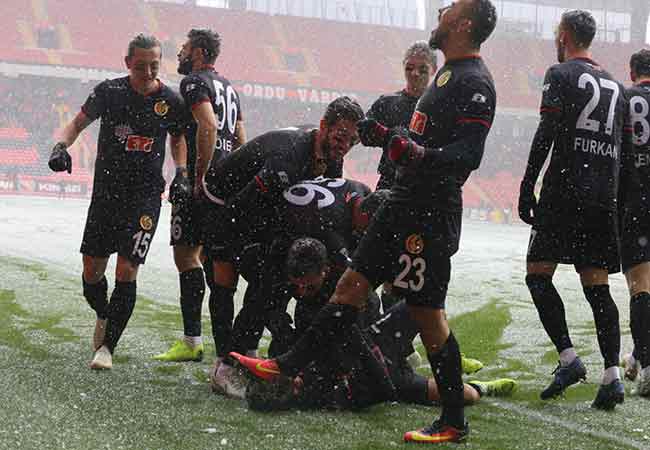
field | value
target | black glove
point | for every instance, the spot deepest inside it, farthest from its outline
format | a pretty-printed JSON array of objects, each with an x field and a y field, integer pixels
[
  {"x": 60, "y": 159},
  {"x": 180, "y": 190},
  {"x": 372, "y": 133},
  {"x": 527, "y": 202}
]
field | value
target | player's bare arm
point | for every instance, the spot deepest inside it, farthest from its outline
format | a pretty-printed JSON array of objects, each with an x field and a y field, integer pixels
[
  {"x": 240, "y": 134},
  {"x": 206, "y": 138}
]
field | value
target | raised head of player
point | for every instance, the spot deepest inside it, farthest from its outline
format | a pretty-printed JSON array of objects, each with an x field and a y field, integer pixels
[
  {"x": 215, "y": 129},
  {"x": 136, "y": 112},
  {"x": 411, "y": 239},
  {"x": 575, "y": 220},
  {"x": 396, "y": 109},
  {"x": 634, "y": 194}
]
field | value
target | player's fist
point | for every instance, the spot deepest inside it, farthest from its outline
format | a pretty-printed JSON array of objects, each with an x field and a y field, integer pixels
[
  {"x": 180, "y": 190},
  {"x": 60, "y": 159},
  {"x": 527, "y": 202},
  {"x": 403, "y": 151},
  {"x": 372, "y": 133}
]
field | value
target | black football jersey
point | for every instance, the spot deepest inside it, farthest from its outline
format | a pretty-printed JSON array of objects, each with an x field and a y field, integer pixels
[
  {"x": 315, "y": 207},
  {"x": 132, "y": 136},
  {"x": 207, "y": 85},
  {"x": 461, "y": 97},
  {"x": 589, "y": 107},
  {"x": 287, "y": 152},
  {"x": 638, "y": 134},
  {"x": 392, "y": 110}
]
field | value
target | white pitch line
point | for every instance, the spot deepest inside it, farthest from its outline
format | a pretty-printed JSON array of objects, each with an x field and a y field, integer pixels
[{"x": 571, "y": 426}]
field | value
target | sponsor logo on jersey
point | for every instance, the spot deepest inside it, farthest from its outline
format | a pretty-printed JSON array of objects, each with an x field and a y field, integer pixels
[
  {"x": 414, "y": 244},
  {"x": 418, "y": 122},
  {"x": 443, "y": 78},
  {"x": 122, "y": 131},
  {"x": 146, "y": 222},
  {"x": 546, "y": 87},
  {"x": 161, "y": 108},
  {"x": 136, "y": 143}
]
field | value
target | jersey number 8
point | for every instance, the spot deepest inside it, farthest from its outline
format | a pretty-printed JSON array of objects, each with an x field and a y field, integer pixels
[{"x": 640, "y": 117}]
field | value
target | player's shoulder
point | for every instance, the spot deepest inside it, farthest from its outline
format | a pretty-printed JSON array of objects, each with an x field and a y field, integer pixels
[
  {"x": 642, "y": 90},
  {"x": 171, "y": 96},
  {"x": 113, "y": 85},
  {"x": 193, "y": 81}
]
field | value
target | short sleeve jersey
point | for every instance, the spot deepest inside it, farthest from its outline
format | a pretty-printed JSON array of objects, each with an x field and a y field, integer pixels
[
  {"x": 590, "y": 108},
  {"x": 392, "y": 110},
  {"x": 462, "y": 92},
  {"x": 132, "y": 136},
  {"x": 288, "y": 153},
  {"x": 207, "y": 85},
  {"x": 314, "y": 207},
  {"x": 638, "y": 130}
]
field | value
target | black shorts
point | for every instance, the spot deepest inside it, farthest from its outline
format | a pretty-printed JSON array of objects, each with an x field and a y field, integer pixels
[
  {"x": 411, "y": 248},
  {"x": 125, "y": 227},
  {"x": 635, "y": 238},
  {"x": 187, "y": 224},
  {"x": 588, "y": 240}
]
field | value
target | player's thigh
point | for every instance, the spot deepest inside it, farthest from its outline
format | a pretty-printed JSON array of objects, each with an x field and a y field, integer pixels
[
  {"x": 94, "y": 268},
  {"x": 422, "y": 258},
  {"x": 596, "y": 246},
  {"x": 635, "y": 249},
  {"x": 185, "y": 229},
  {"x": 546, "y": 248},
  {"x": 100, "y": 236},
  {"x": 137, "y": 225}
]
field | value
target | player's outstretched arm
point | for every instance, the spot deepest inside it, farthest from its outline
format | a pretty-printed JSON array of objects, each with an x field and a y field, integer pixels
[{"x": 60, "y": 159}]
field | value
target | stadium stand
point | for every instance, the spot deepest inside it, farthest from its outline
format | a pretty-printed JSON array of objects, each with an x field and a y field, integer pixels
[{"x": 282, "y": 66}]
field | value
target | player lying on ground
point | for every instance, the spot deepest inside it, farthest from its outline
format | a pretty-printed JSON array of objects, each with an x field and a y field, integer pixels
[{"x": 361, "y": 368}]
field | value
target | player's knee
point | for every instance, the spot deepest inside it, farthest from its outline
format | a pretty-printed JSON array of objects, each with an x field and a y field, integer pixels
[
  {"x": 539, "y": 284},
  {"x": 352, "y": 289},
  {"x": 93, "y": 269},
  {"x": 126, "y": 271},
  {"x": 224, "y": 274}
]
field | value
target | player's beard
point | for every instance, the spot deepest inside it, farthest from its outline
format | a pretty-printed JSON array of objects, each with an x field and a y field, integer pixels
[{"x": 185, "y": 66}]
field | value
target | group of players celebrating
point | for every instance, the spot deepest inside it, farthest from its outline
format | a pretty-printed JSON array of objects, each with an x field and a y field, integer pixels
[{"x": 277, "y": 211}]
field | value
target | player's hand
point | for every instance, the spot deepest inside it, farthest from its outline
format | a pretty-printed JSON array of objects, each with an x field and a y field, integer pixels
[
  {"x": 372, "y": 133},
  {"x": 60, "y": 159},
  {"x": 180, "y": 190},
  {"x": 403, "y": 151},
  {"x": 527, "y": 202}
]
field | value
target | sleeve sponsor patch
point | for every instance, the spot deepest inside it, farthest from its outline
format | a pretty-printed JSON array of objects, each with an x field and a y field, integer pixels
[{"x": 418, "y": 122}]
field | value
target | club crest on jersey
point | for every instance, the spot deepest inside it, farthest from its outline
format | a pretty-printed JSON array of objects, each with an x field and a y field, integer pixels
[
  {"x": 161, "y": 108},
  {"x": 414, "y": 244},
  {"x": 418, "y": 122},
  {"x": 146, "y": 222},
  {"x": 136, "y": 143},
  {"x": 443, "y": 78},
  {"x": 122, "y": 131}
]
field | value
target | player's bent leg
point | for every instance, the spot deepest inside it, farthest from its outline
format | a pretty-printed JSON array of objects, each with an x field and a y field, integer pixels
[
  {"x": 638, "y": 279},
  {"x": 596, "y": 289},
  {"x": 443, "y": 353},
  {"x": 122, "y": 301},
  {"x": 192, "y": 287},
  {"x": 95, "y": 291}
]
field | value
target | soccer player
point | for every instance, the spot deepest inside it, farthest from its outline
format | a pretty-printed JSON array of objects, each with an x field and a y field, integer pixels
[
  {"x": 215, "y": 129},
  {"x": 394, "y": 110},
  {"x": 416, "y": 231},
  {"x": 635, "y": 190},
  {"x": 245, "y": 188},
  {"x": 575, "y": 221},
  {"x": 363, "y": 368},
  {"x": 136, "y": 112}
]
